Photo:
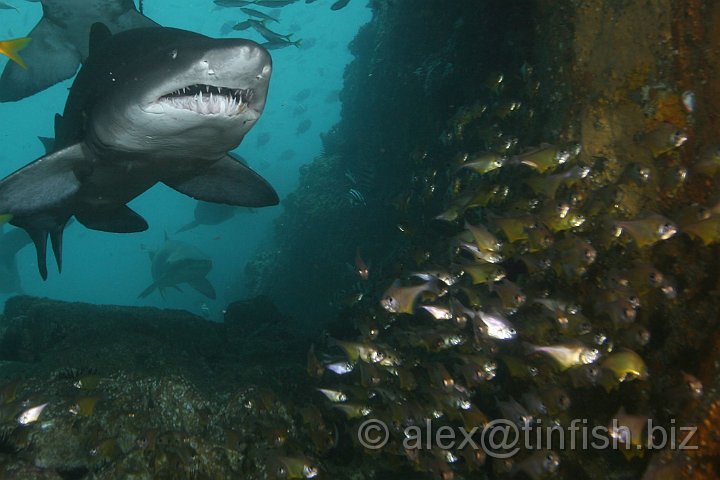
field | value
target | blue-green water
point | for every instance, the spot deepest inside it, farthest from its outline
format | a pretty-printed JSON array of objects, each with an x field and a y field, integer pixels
[{"x": 110, "y": 268}]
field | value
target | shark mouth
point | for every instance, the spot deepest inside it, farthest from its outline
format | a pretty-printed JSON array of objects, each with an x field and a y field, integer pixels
[{"x": 209, "y": 100}]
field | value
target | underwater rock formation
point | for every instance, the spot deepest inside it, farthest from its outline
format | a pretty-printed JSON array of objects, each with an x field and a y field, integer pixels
[
  {"x": 90, "y": 391},
  {"x": 395, "y": 102},
  {"x": 40, "y": 336},
  {"x": 543, "y": 236}
]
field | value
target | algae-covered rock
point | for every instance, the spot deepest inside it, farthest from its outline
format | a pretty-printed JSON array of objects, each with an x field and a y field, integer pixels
[
  {"x": 126, "y": 392},
  {"x": 40, "y": 336}
]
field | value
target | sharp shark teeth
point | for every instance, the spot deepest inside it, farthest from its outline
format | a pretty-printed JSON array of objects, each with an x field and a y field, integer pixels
[{"x": 216, "y": 101}]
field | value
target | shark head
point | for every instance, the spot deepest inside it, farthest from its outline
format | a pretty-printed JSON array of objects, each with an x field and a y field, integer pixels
[
  {"x": 149, "y": 105},
  {"x": 189, "y": 95}
]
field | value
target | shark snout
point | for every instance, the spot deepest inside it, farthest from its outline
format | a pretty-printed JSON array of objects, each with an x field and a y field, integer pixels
[
  {"x": 246, "y": 60},
  {"x": 240, "y": 64}
]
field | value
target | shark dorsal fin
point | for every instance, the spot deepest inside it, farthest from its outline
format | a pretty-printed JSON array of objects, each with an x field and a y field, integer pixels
[
  {"x": 58, "y": 125},
  {"x": 99, "y": 34}
]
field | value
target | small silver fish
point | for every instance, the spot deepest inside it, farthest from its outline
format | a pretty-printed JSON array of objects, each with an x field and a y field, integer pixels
[
  {"x": 340, "y": 368},
  {"x": 495, "y": 325}
]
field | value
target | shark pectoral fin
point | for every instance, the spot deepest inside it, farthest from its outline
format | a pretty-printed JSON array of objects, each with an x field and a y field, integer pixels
[
  {"x": 188, "y": 226},
  {"x": 227, "y": 181},
  {"x": 38, "y": 195},
  {"x": 203, "y": 286},
  {"x": 114, "y": 220},
  {"x": 148, "y": 290},
  {"x": 134, "y": 19},
  {"x": 50, "y": 59},
  {"x": 45, "y": 184}
]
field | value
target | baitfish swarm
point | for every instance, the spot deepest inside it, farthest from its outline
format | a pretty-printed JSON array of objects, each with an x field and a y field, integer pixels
[{"x": 531, "y": 297}]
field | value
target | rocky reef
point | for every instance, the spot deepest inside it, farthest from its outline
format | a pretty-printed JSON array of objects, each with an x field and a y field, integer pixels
[
  {"x": 415, "y": 66},
  {"x": 118, "y": 392},
  {"x": 543, "y": 225},
  {"x": 40, "y": 336}
]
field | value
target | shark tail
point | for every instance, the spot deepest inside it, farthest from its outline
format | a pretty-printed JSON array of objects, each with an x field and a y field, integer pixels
[{"x": 11, "y": 49}]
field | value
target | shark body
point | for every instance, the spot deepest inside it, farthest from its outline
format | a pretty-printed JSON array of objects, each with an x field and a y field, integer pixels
[
  {"x": 177, "y": 263},
  {"x": 60, "y": 42},
  {"x": 149, "y": 105}
]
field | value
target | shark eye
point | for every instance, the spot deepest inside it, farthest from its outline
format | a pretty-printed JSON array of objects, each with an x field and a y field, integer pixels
[{"x": 173, "y": 53}]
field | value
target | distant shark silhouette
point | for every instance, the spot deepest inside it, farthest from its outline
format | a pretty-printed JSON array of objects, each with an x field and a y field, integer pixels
[
  {"x": 210, "y": 214},
  {"x": 11, "y": 242},
  {"x": 149, "y": 105},
  {"x": 176, "y": 263},
  {"x": 60, "y": 42}
]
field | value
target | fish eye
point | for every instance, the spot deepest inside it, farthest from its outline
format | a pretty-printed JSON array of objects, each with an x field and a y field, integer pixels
[
  {"x": 666, "y": 230},
  {"x": 551, "y": 462},
  {"x": 173, "y": 53},
  {"x": 678, "y": 138}
]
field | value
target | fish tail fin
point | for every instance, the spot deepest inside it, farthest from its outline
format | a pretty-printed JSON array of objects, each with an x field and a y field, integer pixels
[
  {"x": 11, "y": 49},
  {"x": 297, "y": 42},
  {"x": 529, "y": 348},
  {"x": 150, "y": 289}
]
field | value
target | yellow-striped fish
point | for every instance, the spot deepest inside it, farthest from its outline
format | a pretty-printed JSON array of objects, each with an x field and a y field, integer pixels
[{"x": 11, "y": 49}]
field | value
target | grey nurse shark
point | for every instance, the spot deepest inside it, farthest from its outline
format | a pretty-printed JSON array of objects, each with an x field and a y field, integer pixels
[
  {"x": 176, "y": 263},
  {"x": 60, "y": 42},
  {"x": 212, "y": 214},
  {"x": 149, "y": 105},
  {"x": 11, "y": 242}
]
